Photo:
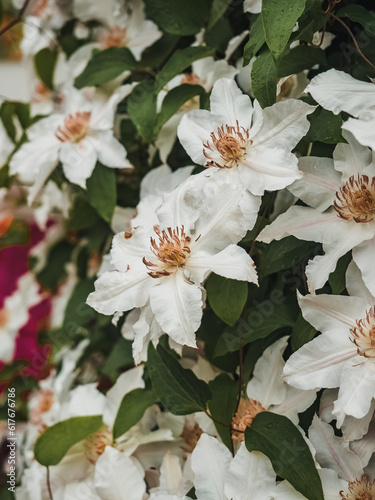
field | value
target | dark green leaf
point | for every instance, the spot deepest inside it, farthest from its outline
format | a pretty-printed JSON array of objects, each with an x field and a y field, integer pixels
[
  {"x": 263, "y": 79},
  {"x": 45, "y": 62},
  {"x": 337, "y": 278},
  {"x": 104, "y": 66},
  {"x": 132, "y": 408},
  {"x": 11, "y": 370},
  {"x": 218, "y": 9},
  {"x": 281, "y": 441},
  {"x": 54, "y": 271},
  {"x": 101, "y": 191},
  {"x": 77, "y": 312},
  {"x": 82, "y": 214},
  {"x": 18, "y": 234},
  {"x": 260, "y": 322},
  {"x": 279, "y": 18},
  {"x": 6, "y": 115},
  {"x": 283, "y": 254},
  {"x": 360, "y": 15},
  {"x": 142, "y": 110},
  {"x": 51, "y": 447},
  {"x": 325, "y": 127},
  {"x": 223, "y": 404},
  {"x": 298, "y": 59},
  {"x": 178, "y": 18},
  {"x": 226, "y": 297},
  {"x": 175, "y": 99},
  {"x": 302, "y": 333},
  {"x": 256, "y": 40},
  {"x": 180, "y": 391},
  {"x": 120, "y": 356}
]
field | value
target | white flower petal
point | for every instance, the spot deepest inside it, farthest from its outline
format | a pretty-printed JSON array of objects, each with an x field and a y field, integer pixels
[
  {"x": 355, "y": 283},
  {"x": 250, "y": 475},
  {"x": 363, "y": 256},
  {"x": 117, "y": 477},
  {"x": 295, "y": 402},
  {"x": 352, "y": 158},
  {"x": 229, "y": 105},
  {"x": 118, "y": 291},
  {"x": 78, "y": 161},
  {"x": 319, "y": 183},
  {"x": 210, "y": 463},
  {"x": 109, "y": 150},
  {"x": 194, "y": 130},
  {"x": 362, "y": 126},
  {"x": 332, "y": 452},
  {"x": 337, "y": 91},
  {"x": 177, "y": 306},
  {"x": 266, "y": 385}
]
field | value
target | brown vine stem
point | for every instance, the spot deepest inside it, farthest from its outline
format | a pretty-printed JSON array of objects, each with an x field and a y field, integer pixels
[
  {"x": 17, "y": 20},
  {"x": 49, "y": 485},
  {"x": 352, "y": 37}
]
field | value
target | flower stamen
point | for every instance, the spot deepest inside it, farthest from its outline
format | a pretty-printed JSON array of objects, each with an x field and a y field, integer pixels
[
  {"x": 356, "y": 199},
  {"x": 361, "y": 489},
  {"x": 246, "y": 412},
  {"x": 114, "y": 37},
  {"x": 363, "y": 335},
  {"x": 75, "y": 128},
  {"x": 227, "y": 147}
]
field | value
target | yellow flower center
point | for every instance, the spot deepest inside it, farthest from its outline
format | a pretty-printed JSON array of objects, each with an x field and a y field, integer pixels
[
  {"x": 114, "y": 37},
  {"x": 363, "y": 335},
  {"x": 75, "y": 128},
  {"x": 227, "y": 147},
  {"x": 361, "y": 489},
  {"x": 191, "y": 435},
  {"x": 356, "y": 199},
  {"x": 246, "y": 412},
  {"x": 95, "y": 444},
  {"x": 172, "y": 249}
]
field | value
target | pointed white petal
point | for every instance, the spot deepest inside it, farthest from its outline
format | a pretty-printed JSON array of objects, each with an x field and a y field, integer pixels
[
  {"x": 361, "y": 128},
  {"x": 250, "y": 475},
  {"x": 78, "y": 161},
  {"x": 319, "y": 183},
  {"x": 266, "y": 385},
  {"x": 210, "y": 462},
  {"x": 337, "y": 91},
  {"x": 352, "y": 158},
  {"x": 117, "y": 291},
  {"x": 295, "y": 402},
  {"x": 109, "y": 150},
  {"x": 332, "y": 452},
  {"x": 229, "y": 105},
  {"x": 363, "y": 256},
  {"x": 194, "y": 130},
  {"x": 177, "y": 306}
]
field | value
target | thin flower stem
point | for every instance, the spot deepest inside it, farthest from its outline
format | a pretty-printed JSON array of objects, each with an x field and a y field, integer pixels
[
  {"x": 49, "y": 485},
  {"x": 352, "y": 37},
  {"x": 17, "y": 20},
  {"x": 216, "y": 421}
]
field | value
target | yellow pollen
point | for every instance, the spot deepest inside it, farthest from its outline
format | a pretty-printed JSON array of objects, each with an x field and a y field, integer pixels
[
  {"x": 356, "y": 199},
  {"x": 95, "y": 444},
  {"x": 75, "y": 128},
  {"x": 246, "y": 412},
  {"x": 191, "y": 435},
  {"x": 227, "y": 147},
  {"x": 172, "y": 249},
  {"x": 361, "y": 489},
  {"x": 363, "y": 335},
  {"x": 114, "y": 37}
]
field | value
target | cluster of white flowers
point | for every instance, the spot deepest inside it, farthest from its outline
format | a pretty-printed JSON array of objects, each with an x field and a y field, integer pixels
[{"x": 151, "y": 267}]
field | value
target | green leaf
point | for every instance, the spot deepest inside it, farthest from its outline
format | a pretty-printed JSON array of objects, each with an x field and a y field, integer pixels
[
  {"x": 298, "y": 59},
  {"x": 14, "y": 368},
  {"x": 7, "y": 110},
  {"x": 279, "y": 18},
  {"x": 45, "y": 63},
  {"x": 281, "y": 441},
  {"x": 54, "y": 271},
  {"x": 77, "y": 312},
  {"x": 226, "y": 297},
  {"x": 101, "y": 191},
  {"x": 223, "y": 404},
  {"x": 120, "y": 356},
  {"x": 175, "y": 99},
  {"x": 132, "y": 408},
  {"x": 283, "y": 254},
  {"x": 360, "y": 15},
  {"x": 337, "y": 278},
  {"x": 263, "y": 79},
  {"x": 1, "y": 11},
  {"x": 261, "y": 321},
  {"x": 178, "y": 18},
  {"x": 51, "y": 447},
  {"x": 302, "y": 333},
  {"x": 104, "y": 66},
  {"x": 180, "y": 391},
  {"x": 256, "y": 40},
  {"x": 82, "y": 214},
  {"x": 218, "y": 9},
  {"x": 142, "y": 111},
  {"x": 325, "y": 127}
]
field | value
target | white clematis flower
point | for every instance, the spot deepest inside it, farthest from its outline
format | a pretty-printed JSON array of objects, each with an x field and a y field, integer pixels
[
  {"x": 337, "y": 91},
  {"x": 267, "y": 391},
  {"x": 166, "y": 258},
  {"x": 246, "y": 145},
  {"x": 342, "y": 196},
  {"x": 80, "y": 138},
  {"x": 344, "y": 355}
]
